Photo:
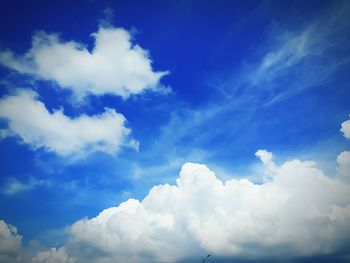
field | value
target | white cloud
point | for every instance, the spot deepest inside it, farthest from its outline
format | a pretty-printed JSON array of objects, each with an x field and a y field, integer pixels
[
  {"x": 294, "y": 49},
  {"x": 267, "y": 159},
  {"x": 10, "y": 243},
  {"x": 114, "y": 66},
  {"x": 53, "y": 256},
  {"x": 313, "y": 40},
  {"x": 343, "y": 169},
  {"x": 295, "y": 59},
  {"x": 298, "y": 212},
  {"x": 13, "y": 186},
  {"x": 29, "y": 120},
  {"x": 291, "y": 49},
  {"x": 345, "y": 129}
]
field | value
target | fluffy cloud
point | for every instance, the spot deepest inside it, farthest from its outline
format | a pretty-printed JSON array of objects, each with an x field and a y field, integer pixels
[
  {"x": 28, "y": 119},
  {"x": 10, "y": 243},
  {"x": 345, "y": 129},
  {"x": 53, "y": 256},
  {"x": 343, "y": 169},
  {"x": 113, "y": 66},
  {"x": 299, "y": 212}
]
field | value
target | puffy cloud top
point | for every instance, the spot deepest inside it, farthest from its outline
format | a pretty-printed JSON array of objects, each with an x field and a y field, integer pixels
[
  {"x": 345, "y": 129},
  {"x": 29, "y": 119},
  {"x": 299, "y": 212},
  {"x": 10, "y": 243},
  {"x": 114, "y": 66}
]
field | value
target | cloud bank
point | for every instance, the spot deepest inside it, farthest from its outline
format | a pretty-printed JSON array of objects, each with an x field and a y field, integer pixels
[
  {"x": 298, "y": 212},
  {"x": 114, "y": 66},
  {"x": 28, "y": 119}
]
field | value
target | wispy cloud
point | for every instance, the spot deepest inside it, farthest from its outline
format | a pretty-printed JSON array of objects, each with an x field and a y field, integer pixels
[
  {"x": 295, "y": 60},
  {"x": 294, "y": 47},
  {"x": 14, "y": 186}
]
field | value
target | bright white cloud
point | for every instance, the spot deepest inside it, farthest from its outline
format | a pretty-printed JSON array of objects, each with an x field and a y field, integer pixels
[
  {"x": 10, "y": 243},
  {"x": 298, "y": 212},
  {"x": 28, "y": 119},
  {"x": 267, "y": 159},
  {"x": 114, "y": 66},
  {"x": 345, "y": 129}
]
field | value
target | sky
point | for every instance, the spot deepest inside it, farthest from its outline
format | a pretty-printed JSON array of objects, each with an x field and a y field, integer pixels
[{"x": 166, "y": 131}]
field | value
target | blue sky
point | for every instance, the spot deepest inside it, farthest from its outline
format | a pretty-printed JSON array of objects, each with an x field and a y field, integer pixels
[{"x": 102, "y": 100}]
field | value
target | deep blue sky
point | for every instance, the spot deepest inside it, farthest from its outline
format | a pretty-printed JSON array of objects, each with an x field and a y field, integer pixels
[{"x": 221, "y": 109}]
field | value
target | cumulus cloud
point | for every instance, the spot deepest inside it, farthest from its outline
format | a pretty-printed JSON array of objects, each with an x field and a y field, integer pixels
[
  {"x": 53, "y": 256},
  {"x": 299, "y": 212},
  {"x": 28, "y": 119},
  {"x": 343, "y": 169},
  {"x": 345, "y": 129},
  {"x": 10, "y": 243},
  {"x": 114, "y": 66},
  {"x": 267, "y": 159}
]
